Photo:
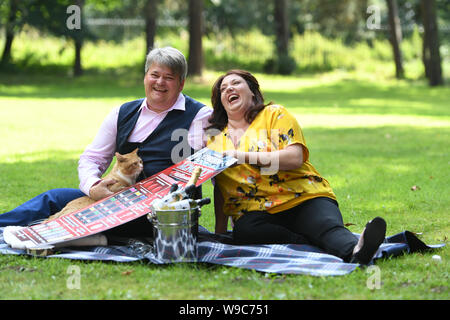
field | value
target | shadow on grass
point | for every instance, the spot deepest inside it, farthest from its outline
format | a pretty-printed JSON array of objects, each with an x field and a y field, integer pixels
[
  {"x": 86, "y": 87},
  {"x": 127, "y": 86},
  {"x": 344, "y": 97},
  {"x": 356, "y": 97}
]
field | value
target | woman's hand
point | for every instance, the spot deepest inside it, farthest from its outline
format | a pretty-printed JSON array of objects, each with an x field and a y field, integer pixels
[
  {"x": 230, "y": 153},
  {"x": 290, "y": 158},
  {"x": 233, "y": 154}
]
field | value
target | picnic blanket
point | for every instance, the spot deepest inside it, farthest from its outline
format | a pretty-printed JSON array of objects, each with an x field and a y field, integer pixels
[{"x": 217, "y": 249}]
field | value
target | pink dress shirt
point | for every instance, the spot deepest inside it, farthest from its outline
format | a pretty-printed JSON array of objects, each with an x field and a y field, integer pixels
[{"x": 98, "y": 155}]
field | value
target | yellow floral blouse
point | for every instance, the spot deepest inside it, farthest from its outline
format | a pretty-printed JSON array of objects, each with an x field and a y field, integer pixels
[{"x": 246, "y": 187}]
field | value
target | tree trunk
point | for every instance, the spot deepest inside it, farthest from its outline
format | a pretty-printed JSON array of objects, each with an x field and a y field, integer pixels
[
  {"x": 9, "y": 31},
  {"x": 395, "y": 30},
  {"x": 432, "y": 57},
  {"x": 195, "y": 61},
  {"x": 281, "y": 27},
  {"x": 284, "y": 63},
  {"x": 77, "y": 67},
  {"x": 151, "y": 14},
  {"x": 6, "y": 56},
  {"x": 425, "y": 56}
]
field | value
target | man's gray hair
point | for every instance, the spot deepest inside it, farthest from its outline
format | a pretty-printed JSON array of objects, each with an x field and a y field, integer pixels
[{"x": 169, "y": 57}]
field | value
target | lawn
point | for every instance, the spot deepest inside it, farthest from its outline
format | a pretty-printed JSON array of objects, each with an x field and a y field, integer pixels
[{"x": 382, "y": 144}]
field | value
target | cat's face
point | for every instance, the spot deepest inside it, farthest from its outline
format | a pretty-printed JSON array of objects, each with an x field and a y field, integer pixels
[{"x": 130, "y": 164}]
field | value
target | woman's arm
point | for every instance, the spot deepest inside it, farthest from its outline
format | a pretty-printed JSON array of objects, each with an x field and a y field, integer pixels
[
  {"x": 221, "y": 219},
  {"x": 289, "y": 158}
]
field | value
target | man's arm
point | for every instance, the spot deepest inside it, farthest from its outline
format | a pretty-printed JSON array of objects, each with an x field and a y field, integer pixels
[
  {"x": 97, "y": 157},
  {"x": 197, "y": 137}
]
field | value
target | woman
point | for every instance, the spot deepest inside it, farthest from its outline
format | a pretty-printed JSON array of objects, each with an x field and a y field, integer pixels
[{"x": 274, "y": 194}]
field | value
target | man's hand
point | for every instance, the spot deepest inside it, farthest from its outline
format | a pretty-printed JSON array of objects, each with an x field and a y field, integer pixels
[{"x": 100, "y": 190}]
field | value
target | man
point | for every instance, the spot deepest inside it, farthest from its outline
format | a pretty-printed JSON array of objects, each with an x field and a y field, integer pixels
[{"x": 148, "y": 123}]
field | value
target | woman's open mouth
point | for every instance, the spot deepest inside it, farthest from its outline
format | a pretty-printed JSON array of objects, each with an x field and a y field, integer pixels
[{"x": 232, "y": 98}]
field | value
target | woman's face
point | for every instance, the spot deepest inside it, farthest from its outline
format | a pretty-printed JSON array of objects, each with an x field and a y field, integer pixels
[{"x": 235, "y": 95}]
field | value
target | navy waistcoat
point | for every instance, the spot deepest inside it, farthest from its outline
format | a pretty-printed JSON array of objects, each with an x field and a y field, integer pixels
[{"x": 156, "y": 150}]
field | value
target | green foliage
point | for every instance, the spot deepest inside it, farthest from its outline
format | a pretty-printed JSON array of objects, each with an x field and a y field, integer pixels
[
  {"x": 233, "y": 16},
  {"x": 51, "y": 16},
  {"x": 247, "y": 50},
  {"x": 252, "y": 50}
]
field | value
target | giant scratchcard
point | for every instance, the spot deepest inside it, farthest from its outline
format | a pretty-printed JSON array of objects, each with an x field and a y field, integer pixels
[{"x": 124, "y": 206}]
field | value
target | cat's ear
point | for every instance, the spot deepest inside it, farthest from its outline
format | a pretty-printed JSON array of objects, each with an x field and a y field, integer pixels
[
  {"x": 120, "y": 157},
  {"x": 135, "y": 150}
]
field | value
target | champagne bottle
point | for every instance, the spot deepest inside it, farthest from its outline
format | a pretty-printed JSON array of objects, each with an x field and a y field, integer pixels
[
  {"x": 186, "y": 204},
  {"x": 188, "y": 191},
  {"x": 178, "y": 193},
  {"x": 173, "y": 187}
]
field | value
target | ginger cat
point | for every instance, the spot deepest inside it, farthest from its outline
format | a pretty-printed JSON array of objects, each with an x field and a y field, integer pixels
[{"x": 125, "y": 171}]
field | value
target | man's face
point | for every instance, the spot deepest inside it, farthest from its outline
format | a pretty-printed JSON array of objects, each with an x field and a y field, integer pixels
[{"x": 162, "y": 87}]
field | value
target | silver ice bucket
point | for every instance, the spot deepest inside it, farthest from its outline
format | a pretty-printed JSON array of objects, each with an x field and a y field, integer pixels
[{"x": 175, "y": 234}]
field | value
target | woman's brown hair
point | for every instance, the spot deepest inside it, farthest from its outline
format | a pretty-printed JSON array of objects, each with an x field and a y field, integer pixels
[{"x": 219, "y": 118}]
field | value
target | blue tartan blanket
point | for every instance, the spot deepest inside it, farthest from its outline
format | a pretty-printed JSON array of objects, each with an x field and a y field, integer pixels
[{"x": 216, "y": 249}]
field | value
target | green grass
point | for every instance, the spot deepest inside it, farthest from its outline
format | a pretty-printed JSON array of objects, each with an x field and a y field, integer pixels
[{"x": 373, "y": 138}]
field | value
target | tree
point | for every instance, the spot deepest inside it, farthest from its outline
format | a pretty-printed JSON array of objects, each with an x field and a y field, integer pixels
[
  {"x": 395, "y": 31},
  {"x": 151, "y": 14},
  {"x": 281, "y": 27},
  {"x": 285, "y": 64},
  {"x": 13, "y": 15},
  {"x": 55, "y": 16},
  {"x": 431, "y": 54},
  {"x": 78, "y": 42},
  {"x": 234, "y": 16},
  {"x": 344, "y": 18},
  {"x": 195, "y": 60},
  {"x": 9, "y": 31}
]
